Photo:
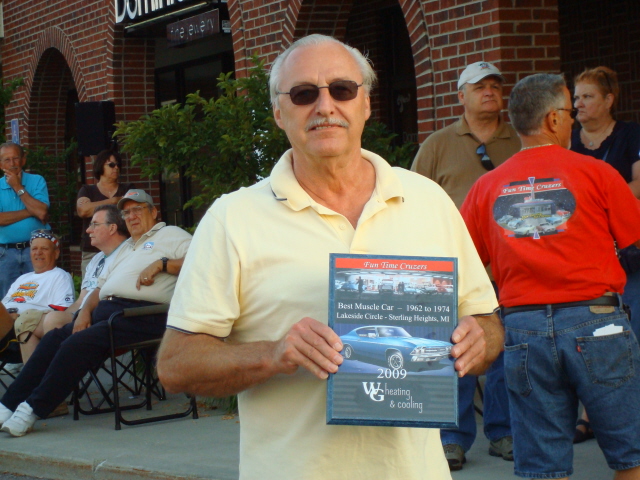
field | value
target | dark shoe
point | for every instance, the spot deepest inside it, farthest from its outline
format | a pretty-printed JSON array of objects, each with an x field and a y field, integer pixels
[
  {"x": 455, "y": 456},
  {"x": 581, "y": 436},
  {"x": 502, "y": 448}
]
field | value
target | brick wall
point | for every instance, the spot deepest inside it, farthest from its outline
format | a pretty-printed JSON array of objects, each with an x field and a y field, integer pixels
[
  {"x": 59, "y": 46},
  {"x": 519, "y": 36},
  {"x": 595, "y": 33}
]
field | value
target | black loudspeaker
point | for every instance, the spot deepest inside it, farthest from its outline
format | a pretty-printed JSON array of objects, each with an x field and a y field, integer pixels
[{"x": 95, "y": 128}]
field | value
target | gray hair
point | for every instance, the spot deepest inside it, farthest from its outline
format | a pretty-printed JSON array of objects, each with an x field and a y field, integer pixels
[
  {"x": 532, "y": 99},
  {"x": 113, "y": 216},
  {"x": 275, "y": 76},
  {"x": 13, "y": 145}
]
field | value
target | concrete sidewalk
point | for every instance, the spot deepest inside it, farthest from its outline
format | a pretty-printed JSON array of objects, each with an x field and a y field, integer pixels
[{"x": 207, "y": 448}]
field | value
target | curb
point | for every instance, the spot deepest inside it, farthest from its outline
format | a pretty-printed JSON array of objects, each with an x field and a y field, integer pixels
[{"x": 66, "y": 469}]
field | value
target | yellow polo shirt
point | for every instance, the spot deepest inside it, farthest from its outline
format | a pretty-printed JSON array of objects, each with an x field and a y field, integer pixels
[{"x": 259, "y": 262}]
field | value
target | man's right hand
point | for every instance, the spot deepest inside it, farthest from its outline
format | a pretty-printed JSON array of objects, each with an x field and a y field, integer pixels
[
  {"x": 311, "y": 345},
  {"x": 83, "y": 321}
]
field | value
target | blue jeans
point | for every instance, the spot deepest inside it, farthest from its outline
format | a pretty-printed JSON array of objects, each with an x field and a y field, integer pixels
[
  {"x": 13, "y": 263},
  {"x": 496, "y": 416},
  {"x": 553, "y": 360}
]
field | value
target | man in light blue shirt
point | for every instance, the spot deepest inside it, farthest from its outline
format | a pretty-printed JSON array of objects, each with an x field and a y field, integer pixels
[{"x": 24, "y": 206}]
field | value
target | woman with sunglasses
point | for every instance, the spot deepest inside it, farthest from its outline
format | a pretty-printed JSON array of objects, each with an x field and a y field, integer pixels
[
  {"x": 618, "y": 143},
  {"x": 107, "y": 168}
]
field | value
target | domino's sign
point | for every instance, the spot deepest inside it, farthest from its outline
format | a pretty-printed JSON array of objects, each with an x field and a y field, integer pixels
[{"x": 132, "y": 10}]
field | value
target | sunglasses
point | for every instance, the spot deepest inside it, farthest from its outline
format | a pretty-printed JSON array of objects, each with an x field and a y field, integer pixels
[
  {"x": 484, "y": 158},
  {"x": 572, "y": 111},
  {"x": 340, "y": 90},
  {"x": 112, "y": 165}
]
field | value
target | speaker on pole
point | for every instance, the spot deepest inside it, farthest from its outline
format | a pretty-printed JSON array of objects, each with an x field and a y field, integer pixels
[{"x": 95, "y": 126}]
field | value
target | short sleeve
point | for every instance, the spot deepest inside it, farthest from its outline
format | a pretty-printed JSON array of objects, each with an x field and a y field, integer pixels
[{"x": 206, "y": 295}]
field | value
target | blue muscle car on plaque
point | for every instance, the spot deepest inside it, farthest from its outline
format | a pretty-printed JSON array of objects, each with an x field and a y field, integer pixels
[{"x": 395, "y": 316}]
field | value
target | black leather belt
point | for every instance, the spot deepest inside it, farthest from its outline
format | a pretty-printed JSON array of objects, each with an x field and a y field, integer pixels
[
  {"x": 123, "y": 299},
  {"x": 605, "y": 300},
  {"x": 19, "y": 245}
]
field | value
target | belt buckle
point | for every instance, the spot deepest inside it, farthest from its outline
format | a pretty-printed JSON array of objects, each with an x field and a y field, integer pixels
[{"x": 21, "y": 245}]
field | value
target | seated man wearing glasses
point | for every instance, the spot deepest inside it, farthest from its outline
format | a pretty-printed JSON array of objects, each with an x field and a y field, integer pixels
[
  {"x": 455, "y": 157},
  {"x": 143, "y": 272},
  {"x": 251, "y": 307},
  {"x": 30, "y": 296},
  {"x": 107, "y": 232}
]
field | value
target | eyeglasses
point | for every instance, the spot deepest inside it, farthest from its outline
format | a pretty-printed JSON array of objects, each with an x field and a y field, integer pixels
[
  {"x": 573, "y": 112},
  {"x": 484, "y": 158},
  {"x": 112, "y": 165},
  {"x": 95, "y": 224},
  {"x": 133, "y": 210},
  {"x": 340, "y": 90}
]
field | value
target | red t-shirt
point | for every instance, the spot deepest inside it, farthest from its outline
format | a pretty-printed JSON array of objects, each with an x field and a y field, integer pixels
[{"x": 546, "y": 221}]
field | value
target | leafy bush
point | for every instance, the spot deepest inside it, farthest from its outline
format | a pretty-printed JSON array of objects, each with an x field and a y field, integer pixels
[{"x": 229, "y": 142}]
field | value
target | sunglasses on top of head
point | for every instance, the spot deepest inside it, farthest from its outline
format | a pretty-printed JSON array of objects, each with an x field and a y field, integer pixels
[{"x": 340, "y": 90}]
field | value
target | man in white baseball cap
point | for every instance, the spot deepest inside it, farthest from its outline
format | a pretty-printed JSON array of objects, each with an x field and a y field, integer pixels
[{"x": 455, "y": 157}]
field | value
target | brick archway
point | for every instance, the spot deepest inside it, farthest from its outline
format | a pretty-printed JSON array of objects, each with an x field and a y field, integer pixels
[
  {"x": 304, "y": 17},
  {"x": 52, "y": 67}
]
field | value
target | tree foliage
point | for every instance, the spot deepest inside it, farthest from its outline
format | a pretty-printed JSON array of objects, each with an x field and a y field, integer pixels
[{"x": 229, "y": 142}]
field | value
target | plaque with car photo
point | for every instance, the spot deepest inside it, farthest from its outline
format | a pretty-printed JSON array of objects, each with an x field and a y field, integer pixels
[{"x": 395, "y": 316}]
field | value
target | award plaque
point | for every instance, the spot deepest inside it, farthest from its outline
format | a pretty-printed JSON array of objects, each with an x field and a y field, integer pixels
[{"x": 395, "y": 316}]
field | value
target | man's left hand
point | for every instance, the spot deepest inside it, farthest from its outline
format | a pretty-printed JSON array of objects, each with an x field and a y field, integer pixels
[
  {"x": 478, "y": 342},
  {"x": 147, "y": 275}
]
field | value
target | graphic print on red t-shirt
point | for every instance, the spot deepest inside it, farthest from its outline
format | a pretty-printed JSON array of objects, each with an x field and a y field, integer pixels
[{"x": 534, "y": 207}]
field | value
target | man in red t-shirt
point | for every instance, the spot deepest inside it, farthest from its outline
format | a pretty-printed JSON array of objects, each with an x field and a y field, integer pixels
[{"x": 546, "y": 220}]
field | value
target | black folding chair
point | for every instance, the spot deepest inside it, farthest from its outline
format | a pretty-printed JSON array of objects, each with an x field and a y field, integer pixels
[
  {"x": 9, "y": 353},
  {"x": 139, "y": 366}
]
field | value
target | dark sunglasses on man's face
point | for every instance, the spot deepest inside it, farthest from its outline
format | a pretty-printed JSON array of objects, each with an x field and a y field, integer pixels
[
  {"x": 340, "y": 90},
  {"x": 484, "y": 158}
]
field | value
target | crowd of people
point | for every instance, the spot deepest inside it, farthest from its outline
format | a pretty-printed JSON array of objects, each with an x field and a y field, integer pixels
[{"x": 542, "y": 217}]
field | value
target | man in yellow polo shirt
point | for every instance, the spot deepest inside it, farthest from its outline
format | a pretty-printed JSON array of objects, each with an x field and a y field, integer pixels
[{"x": 250, "y": 310}]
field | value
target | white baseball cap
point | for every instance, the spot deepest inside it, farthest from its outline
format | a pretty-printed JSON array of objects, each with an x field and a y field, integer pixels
[{"x": 477, "y": 71}]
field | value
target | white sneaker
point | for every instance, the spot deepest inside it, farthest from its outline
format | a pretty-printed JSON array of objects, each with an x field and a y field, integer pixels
[
  {"x": 5, "y": 414},
  {"x": 21, "y": 422}
]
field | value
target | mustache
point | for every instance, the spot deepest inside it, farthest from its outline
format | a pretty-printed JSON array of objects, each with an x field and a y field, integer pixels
[{"x": 325, "y": 121}]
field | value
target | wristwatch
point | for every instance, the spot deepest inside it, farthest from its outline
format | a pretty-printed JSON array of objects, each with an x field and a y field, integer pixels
[
  {"x": 20, "y": 192},
  {"x": 164, "y": 263}
]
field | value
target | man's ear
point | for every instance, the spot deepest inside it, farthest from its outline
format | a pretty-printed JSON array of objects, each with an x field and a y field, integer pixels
[
  {"x": 278, "y": 117},
  {"x": 551, "y": 121},
  {"x": 461, "y": 95}
]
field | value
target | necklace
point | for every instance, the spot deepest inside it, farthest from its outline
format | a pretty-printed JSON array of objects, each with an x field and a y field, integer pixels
[
  {"x": 105, "y": 192},
  {"x": 537, "y": 146},
  {"x": 598, "y": 137}
]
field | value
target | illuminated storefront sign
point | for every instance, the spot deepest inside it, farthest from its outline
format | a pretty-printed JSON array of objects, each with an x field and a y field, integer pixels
[
  {"x": 192, "y": 28},
  {"x": 133, "y": 10}
]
